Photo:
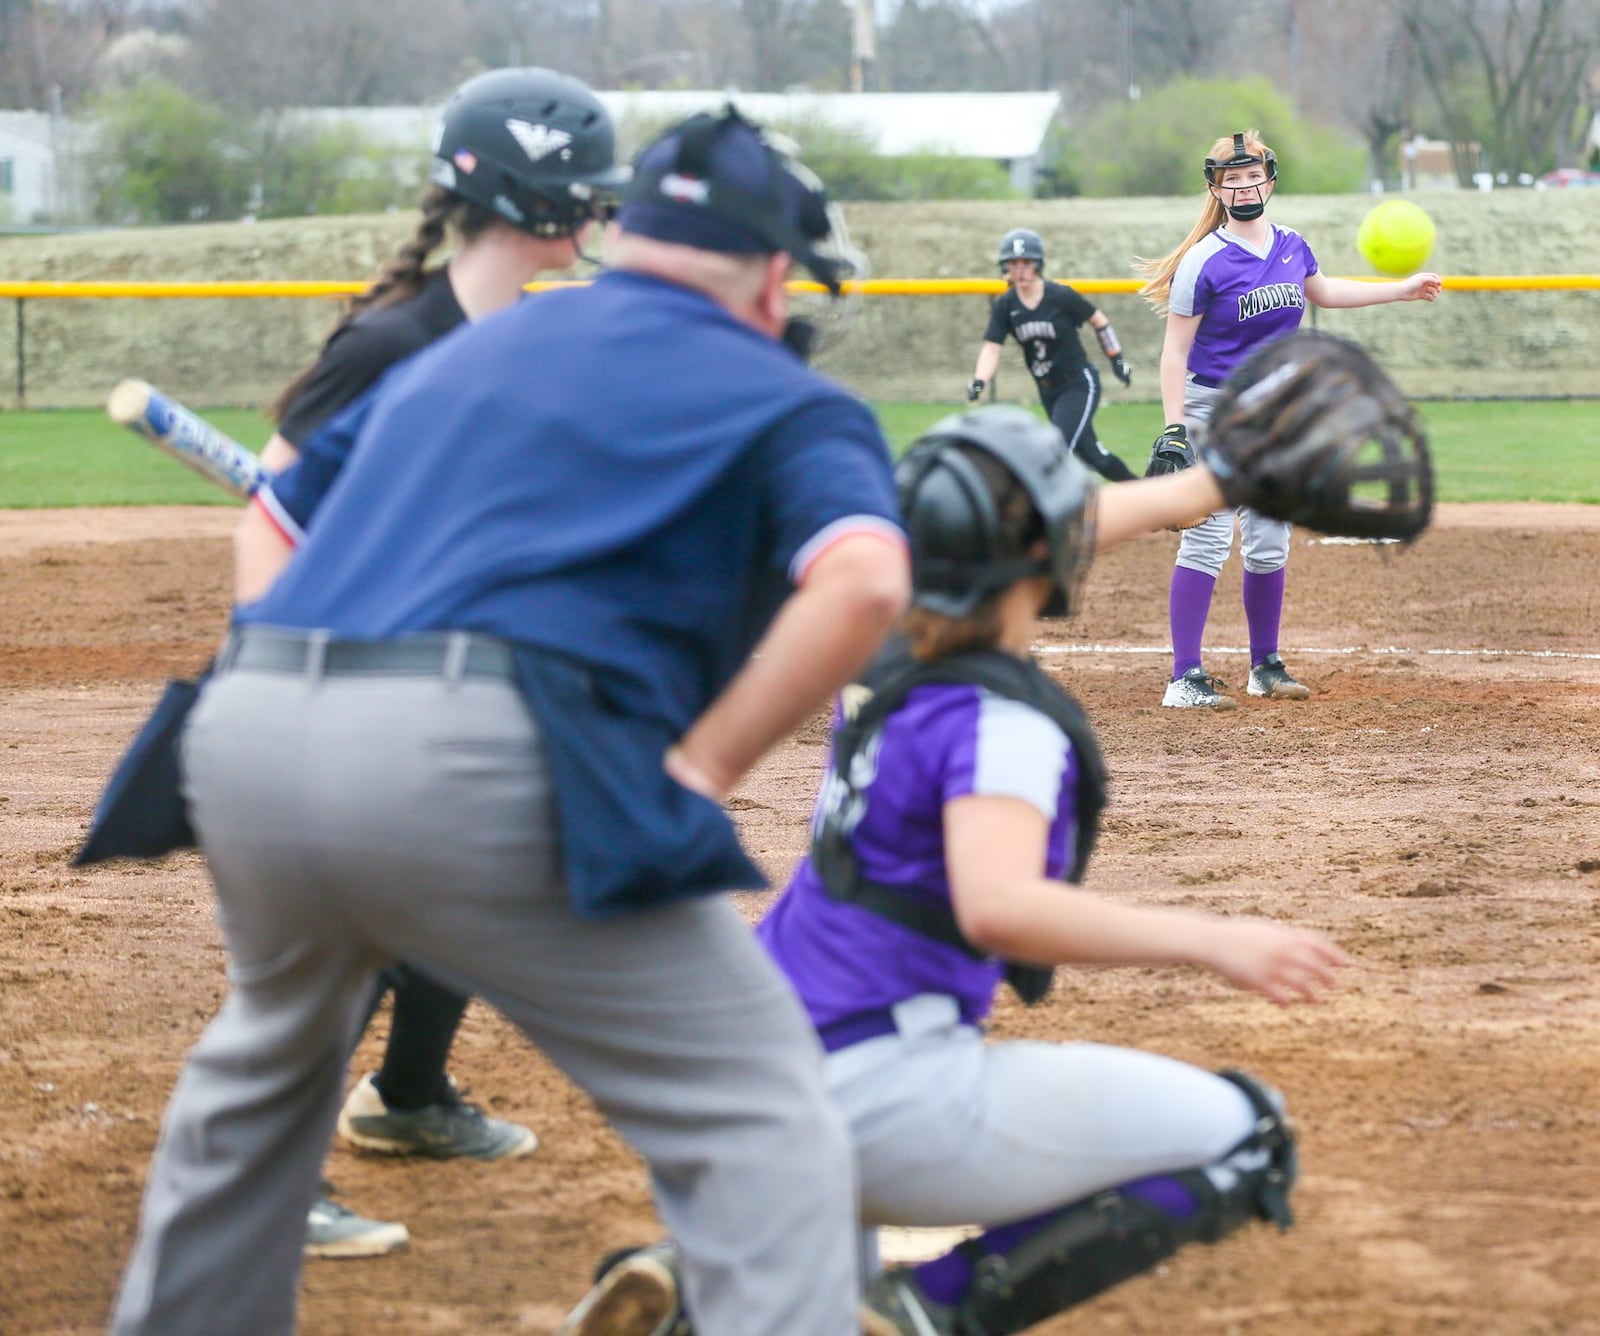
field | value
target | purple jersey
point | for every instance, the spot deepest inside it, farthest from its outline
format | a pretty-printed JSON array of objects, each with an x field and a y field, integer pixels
[
  {"x": 1244, "y": 297},
  {"x": 946, "y": 741}
]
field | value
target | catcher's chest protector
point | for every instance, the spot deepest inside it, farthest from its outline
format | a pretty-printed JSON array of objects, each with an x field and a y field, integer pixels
[{"x": 882, "y": 690}]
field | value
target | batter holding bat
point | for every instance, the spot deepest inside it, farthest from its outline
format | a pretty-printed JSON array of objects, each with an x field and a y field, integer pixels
[
  {"x": 1044, "y": 317},
  {"x": 1235, "y": 283},
  {"x": 523, "y": 164},
  {"x": 963, "y": 790},
  {"x": 186, "y": 436}
]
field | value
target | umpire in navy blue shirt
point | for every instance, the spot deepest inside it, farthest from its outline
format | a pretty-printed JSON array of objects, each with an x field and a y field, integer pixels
[{"x": 574, "y": 570}]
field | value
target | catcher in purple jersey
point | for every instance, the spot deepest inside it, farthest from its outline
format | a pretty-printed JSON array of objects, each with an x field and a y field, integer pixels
[
  {"x": 1235, "y": 283},
  {"x": 969, "y": 805}
]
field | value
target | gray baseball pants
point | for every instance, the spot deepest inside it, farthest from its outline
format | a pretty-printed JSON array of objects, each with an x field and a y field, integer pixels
[
  {"x": 951, "y": 1130},
  {"x": 351, "y": 820},
  {"x": 1263, "y": 542}
]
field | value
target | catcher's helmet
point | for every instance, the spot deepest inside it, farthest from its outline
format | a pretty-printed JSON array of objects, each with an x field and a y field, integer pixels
[
  {"x": 531, "y": 145},
  {"x": 961, "y": 552},
  {"x": 1021, "y": 243}
]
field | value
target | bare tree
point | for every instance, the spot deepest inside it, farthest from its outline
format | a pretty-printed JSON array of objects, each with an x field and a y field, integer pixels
[
  {"x": 1172, "y": 38},
  {"x": 48, "y": 51},
  {"x": 1075, "y": 46},
  {"x": 559, "y": 34},
  {"x": 938, "y": 45},
  {"x": 1096, "y": 51},
  {"x": 274, "y": 53},
  {"x": 767, "y": 22},
  {"x": 1508, "y": 74},
  {"x": 1354, "y": 63}
]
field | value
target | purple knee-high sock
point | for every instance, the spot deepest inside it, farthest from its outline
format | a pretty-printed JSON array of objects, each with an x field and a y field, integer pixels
[
  {"x": 1188, "y": 606},
  {"x": 945, "y": 1279},
  {"x": 1263, "y": 610}
]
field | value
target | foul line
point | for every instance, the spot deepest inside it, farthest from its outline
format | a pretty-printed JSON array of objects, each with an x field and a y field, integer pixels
[{"x": 1352, "y": 649}]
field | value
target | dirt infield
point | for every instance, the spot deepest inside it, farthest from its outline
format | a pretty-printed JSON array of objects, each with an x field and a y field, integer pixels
[{"x": 1435, "y": 806}]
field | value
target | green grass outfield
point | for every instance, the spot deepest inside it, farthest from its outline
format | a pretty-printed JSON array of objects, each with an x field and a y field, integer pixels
[{"x": 1538, "y": 450}]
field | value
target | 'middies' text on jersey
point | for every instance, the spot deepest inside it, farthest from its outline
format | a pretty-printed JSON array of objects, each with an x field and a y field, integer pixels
[{"x": 1245, "y": 297}]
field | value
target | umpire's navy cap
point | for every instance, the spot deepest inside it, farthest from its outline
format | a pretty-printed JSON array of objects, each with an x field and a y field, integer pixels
[{"x": 715, "y": 182}]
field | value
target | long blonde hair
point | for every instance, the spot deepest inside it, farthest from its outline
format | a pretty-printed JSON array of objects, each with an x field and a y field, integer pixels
[{"x": 1158, "y": 273}]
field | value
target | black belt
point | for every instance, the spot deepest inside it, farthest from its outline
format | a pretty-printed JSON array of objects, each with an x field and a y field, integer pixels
[
  {"x": 414, "y": 656},
  {"x": 1205, "y": 381}
]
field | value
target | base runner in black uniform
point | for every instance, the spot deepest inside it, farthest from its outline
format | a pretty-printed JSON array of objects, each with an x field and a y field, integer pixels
[
  {"x": 523, "y": 160},
  {"x": 1044, "y": 318}
]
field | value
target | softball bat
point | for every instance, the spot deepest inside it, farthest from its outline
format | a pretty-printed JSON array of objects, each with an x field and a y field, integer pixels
[{"x": 185, "y": 436}]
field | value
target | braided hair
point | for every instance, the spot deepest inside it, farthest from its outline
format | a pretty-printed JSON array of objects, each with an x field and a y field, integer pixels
[{"x": 405, "y": 273}]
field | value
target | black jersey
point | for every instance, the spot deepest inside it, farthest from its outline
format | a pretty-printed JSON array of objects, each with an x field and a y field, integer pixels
[
  {"x": 357, "y": 354},
  {"x": 1047, "y": 332}
]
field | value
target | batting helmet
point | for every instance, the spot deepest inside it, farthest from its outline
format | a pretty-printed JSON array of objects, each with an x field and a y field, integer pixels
[
  {"x": 1021, "y": 243},
  {"x": 533, "y": 146},
  {"x": 963, "y": 547}
]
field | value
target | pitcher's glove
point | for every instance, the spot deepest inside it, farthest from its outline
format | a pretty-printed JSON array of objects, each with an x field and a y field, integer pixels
[
  {"x": 1171, "y": 453},
  {"x": 1310, "y": 429}
]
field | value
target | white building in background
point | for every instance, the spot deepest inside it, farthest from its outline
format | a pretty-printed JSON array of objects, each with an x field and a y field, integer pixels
[
  {"x": 1012, "y": 129},
  {"x": 28, "y": 181}
]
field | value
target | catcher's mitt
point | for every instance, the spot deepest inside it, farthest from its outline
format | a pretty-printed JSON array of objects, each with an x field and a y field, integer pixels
[
  {"x": 1311, "y": 429},
  {"x": 1171, "y": 452}
]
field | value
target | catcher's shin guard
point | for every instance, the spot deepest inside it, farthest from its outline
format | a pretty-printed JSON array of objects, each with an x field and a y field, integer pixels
[{"x": 1088, "y": 1247}]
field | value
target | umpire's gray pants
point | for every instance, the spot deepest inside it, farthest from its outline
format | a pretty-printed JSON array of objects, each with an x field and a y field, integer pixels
[{"x": 353, "y": 820}]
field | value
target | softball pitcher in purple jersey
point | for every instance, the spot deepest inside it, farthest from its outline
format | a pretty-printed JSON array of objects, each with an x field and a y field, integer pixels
[
  {"x": 1236, "y": 282},
  {"x": 951, "y": 814}
]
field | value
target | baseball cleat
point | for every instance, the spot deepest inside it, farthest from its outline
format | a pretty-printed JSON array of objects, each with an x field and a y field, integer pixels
[
  {"x": 336, "y": 1231},
  {"x": 1198, "y": 689},
  {"x": 636, "y": 1295},
  {"x": 451, "y": 1129},
  {"x": 1271, "y": 678}
]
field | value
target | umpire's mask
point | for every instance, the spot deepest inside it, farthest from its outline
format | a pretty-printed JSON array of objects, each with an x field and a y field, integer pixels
[
  {"x": 722, "y": 183},
  {"x": 963, "y": 547}
]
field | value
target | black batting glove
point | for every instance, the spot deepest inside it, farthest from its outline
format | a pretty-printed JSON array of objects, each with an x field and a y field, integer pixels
[
  {"x": 975, "y": 390},
  {"x": 1121, "y": 370},
  {"x": 1171, "y": 453}
]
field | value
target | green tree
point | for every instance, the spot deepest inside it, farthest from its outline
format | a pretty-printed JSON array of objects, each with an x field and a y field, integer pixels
[
  {"x": 162, "y": 156},
  {"x": 308, "y": 169},
  {"x": 1155, "y": 146}
]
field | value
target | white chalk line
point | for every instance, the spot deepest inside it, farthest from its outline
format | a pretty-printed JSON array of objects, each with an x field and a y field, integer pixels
[{"x": 1349, "y": 649}]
